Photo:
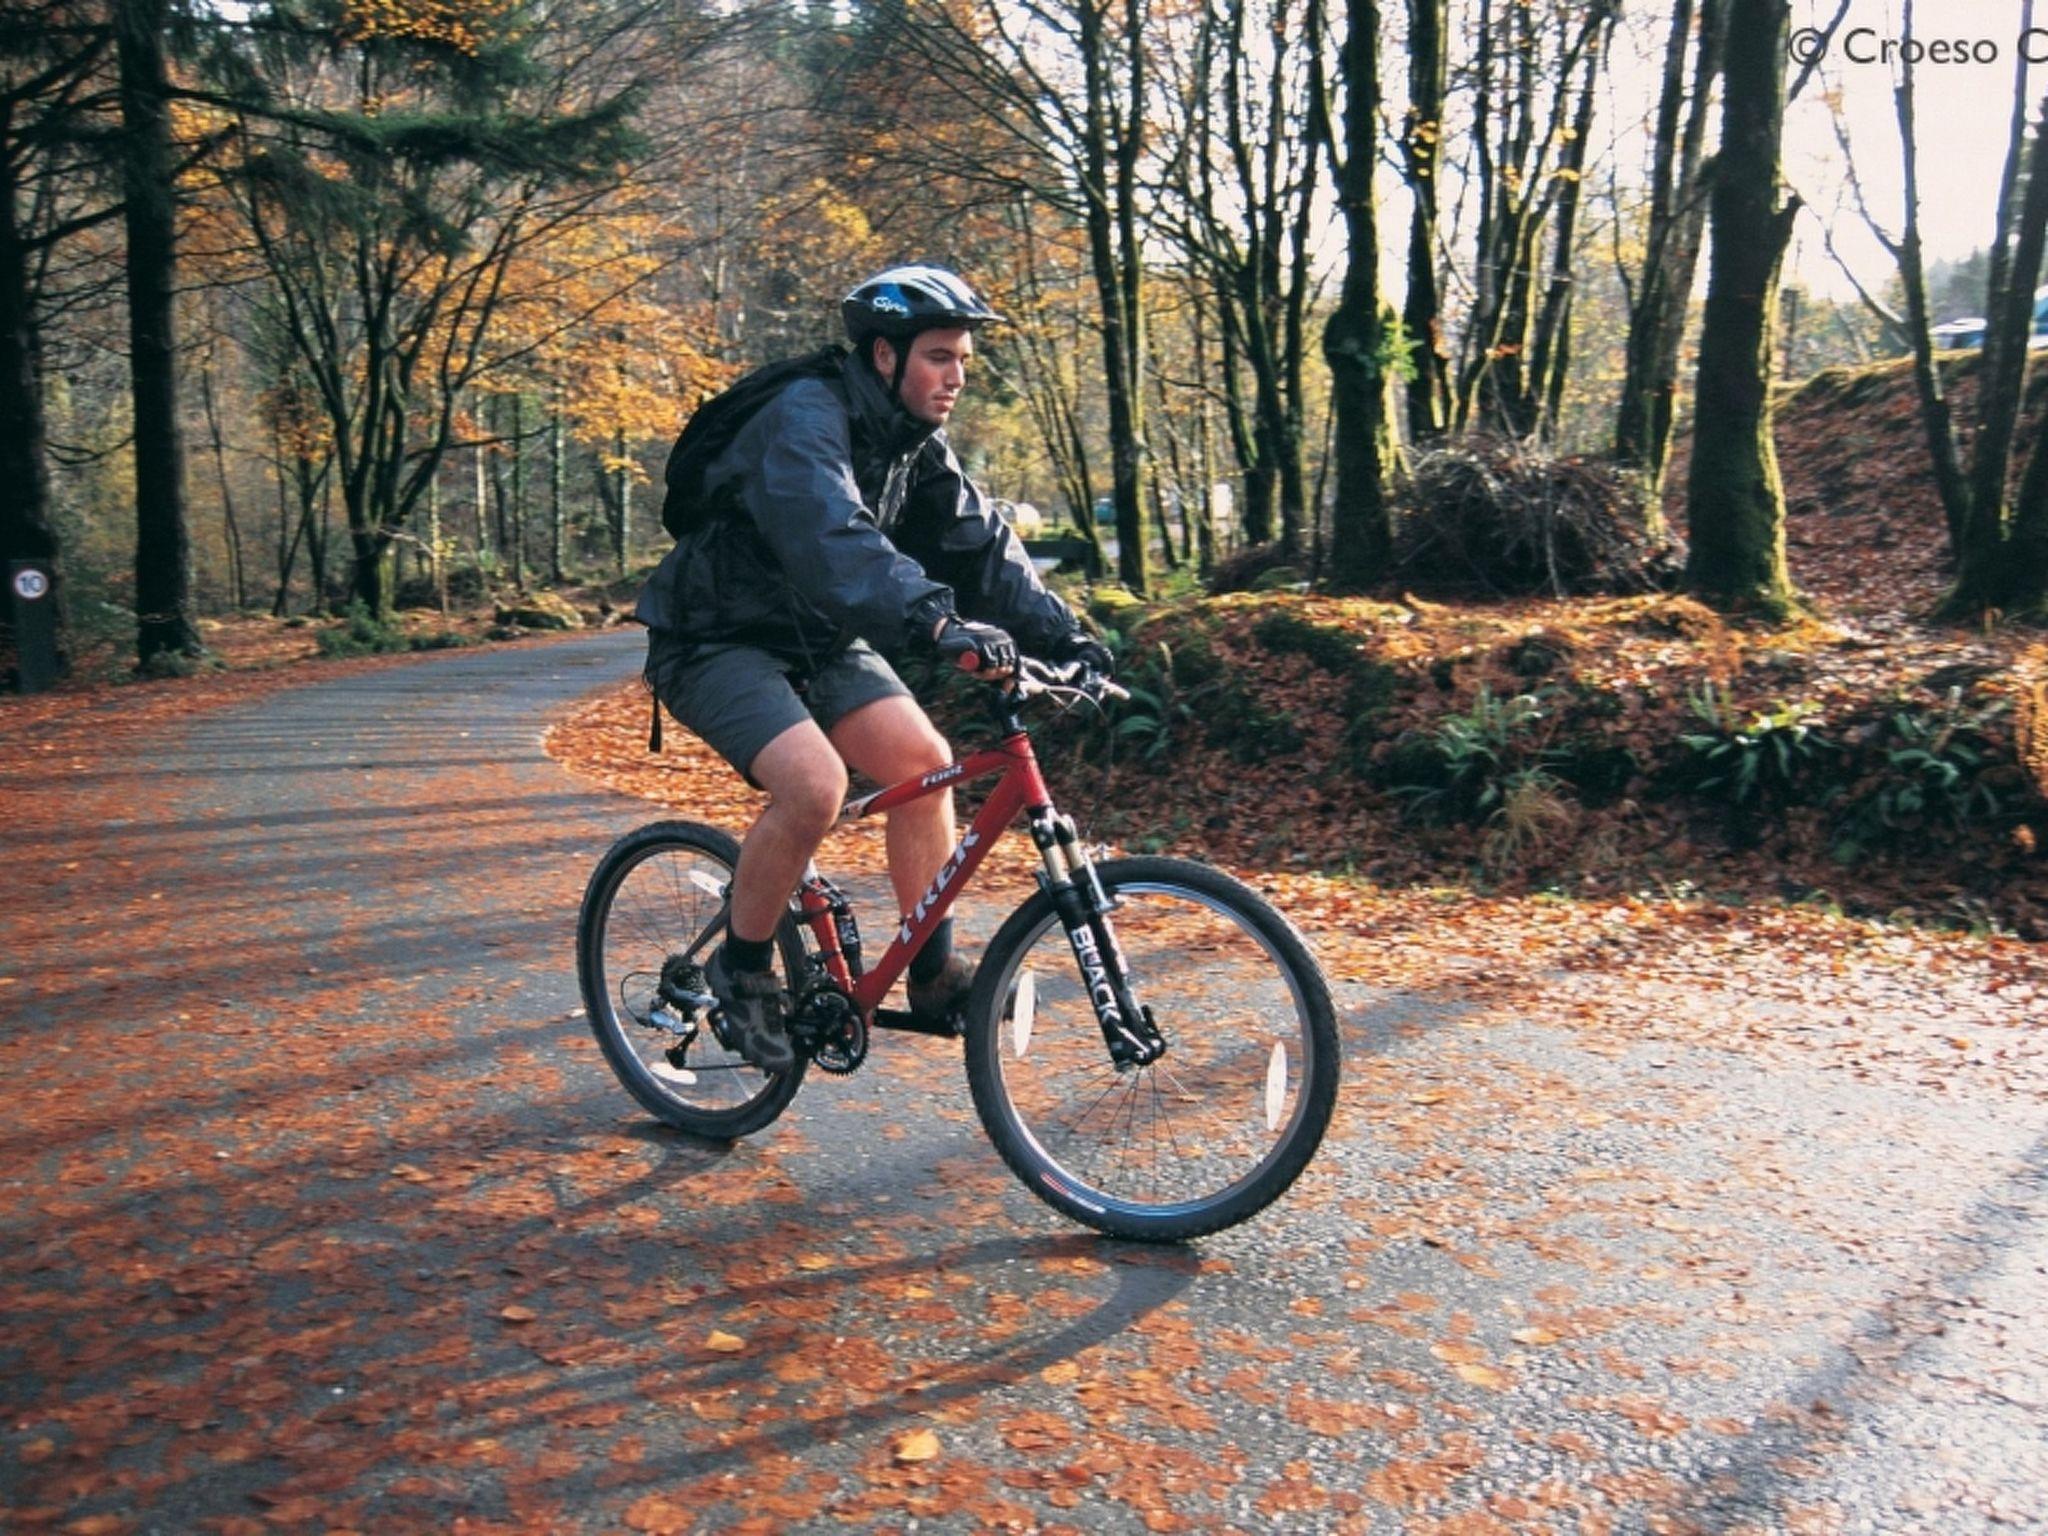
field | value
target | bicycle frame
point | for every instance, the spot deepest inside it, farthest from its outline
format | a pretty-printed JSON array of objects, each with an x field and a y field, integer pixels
[{"x": 1021, "y": 787}]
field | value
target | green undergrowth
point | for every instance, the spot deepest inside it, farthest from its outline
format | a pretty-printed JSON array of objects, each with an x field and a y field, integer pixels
[
  {"x": 362, "y": 633},
  {"x": 1583, "y": 746}
]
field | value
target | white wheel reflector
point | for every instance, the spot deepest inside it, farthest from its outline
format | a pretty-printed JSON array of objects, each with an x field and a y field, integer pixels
[
  {"x": 1024, "y": 1005},
  {"x": 682, "y": 1077},
  {"x": 708, "y": 883},
  {"x": 1276, "y": 1085}
]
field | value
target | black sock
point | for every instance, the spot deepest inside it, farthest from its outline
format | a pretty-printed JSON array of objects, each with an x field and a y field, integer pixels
[
  {"x": 938, "y": 949},
  {"x": 748, "y": 954}
]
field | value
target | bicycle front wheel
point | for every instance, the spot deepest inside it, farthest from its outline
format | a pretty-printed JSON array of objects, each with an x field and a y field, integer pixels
[
  {"x": 652, "y": 915},
  {"x": 1223, "y": 1122}
]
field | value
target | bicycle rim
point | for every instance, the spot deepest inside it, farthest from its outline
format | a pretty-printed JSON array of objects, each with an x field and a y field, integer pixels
[
  {"x": 650, "y": 911},
  {"x": 1216, "y": 1129}
]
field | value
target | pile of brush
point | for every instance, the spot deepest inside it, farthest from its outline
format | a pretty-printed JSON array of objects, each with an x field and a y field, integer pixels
[{"x": 1490, "y": 516}]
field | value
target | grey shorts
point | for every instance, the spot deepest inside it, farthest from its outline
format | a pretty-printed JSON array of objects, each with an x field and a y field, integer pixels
[{"x": 739, "y": 698}]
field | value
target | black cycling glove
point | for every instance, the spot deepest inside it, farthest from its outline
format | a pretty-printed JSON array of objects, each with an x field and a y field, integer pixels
[
  {"x": 978, "y": 647},
  {"x": 1079, "y": 645}
]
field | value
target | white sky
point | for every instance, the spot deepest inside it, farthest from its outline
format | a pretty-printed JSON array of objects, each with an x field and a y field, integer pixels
[{"x": 1964, "y": 115}]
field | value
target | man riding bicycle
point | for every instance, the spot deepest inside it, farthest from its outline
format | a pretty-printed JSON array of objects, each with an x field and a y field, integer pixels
[{"x": 824, "y": 525}]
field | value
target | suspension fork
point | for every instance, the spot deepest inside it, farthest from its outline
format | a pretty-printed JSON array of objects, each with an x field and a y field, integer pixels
[{"x": 1069, "y": 879}]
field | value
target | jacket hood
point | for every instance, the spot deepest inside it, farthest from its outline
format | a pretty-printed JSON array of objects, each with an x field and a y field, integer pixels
[{"x": 882, "y": 418}]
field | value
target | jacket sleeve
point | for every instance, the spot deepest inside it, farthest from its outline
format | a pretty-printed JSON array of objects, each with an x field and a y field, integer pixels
[
  {"x": 807, "y": 507},
  {"x": 963, "y": 541}
]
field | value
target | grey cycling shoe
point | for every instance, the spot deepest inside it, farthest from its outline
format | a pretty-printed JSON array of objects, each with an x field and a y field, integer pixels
[
  {"x": 945, "y": 992},
  {"x": 752, "y": 1004}
]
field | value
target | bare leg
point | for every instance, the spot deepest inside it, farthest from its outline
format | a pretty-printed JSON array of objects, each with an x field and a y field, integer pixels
[
  {"x": 806, "y": 783},
  {"x": 889, "y": 740}
]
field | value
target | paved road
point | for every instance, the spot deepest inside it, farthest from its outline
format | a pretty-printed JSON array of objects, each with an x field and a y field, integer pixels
[{"x": 318, "y": 1210}]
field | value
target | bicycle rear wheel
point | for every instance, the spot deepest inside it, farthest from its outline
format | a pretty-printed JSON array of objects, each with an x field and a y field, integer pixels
[
  {"x": 652, "y": 915},
  {"x": 1219, "y": 1126}
]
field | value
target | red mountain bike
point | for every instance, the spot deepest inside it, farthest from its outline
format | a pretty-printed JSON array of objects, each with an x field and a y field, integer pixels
[{"x": 1150, "y": 1045}]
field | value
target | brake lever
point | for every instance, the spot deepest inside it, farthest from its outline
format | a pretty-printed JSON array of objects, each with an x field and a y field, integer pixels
[
  {"x": 1069, "y": 677},
  {"x": 1101, "y": 687}
]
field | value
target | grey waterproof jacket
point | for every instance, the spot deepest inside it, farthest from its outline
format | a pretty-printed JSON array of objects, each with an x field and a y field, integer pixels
[{"x": 834, "y": 514}]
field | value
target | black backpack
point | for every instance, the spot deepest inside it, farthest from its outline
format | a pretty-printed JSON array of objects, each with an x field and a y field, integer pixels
[{"x": 710, "y": 431}]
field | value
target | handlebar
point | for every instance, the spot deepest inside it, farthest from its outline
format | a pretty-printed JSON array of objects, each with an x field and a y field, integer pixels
[{"x": 1035, "y": 677}]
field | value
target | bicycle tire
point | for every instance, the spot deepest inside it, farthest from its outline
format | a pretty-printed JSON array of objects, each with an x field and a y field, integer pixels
[
  {"x": 1228, "y": 1118},
  {"x": 650, "y": 897}
]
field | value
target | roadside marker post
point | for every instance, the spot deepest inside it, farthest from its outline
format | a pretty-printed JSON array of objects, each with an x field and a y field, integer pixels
[{"x": 33, "y": 594}]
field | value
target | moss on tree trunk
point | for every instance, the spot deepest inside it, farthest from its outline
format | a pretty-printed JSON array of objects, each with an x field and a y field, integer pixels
[
  {"x": 1736, "y": 516},
  {"x": 1354, "y": 341}
]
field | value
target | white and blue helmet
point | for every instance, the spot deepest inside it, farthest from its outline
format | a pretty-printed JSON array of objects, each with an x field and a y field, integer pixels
[{"x": 902, "y": 301}]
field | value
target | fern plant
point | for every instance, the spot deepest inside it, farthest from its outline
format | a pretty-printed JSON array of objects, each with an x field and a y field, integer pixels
[
  {"x": 1933, "y": 777},
  {"x": 1473, "y": 758},
  {"x": 1161, "y": 709},
  {"x": 1768, "y": 760}
]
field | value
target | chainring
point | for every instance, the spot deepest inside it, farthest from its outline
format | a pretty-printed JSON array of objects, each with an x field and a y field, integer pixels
[{"x": 832, "y": 1031}]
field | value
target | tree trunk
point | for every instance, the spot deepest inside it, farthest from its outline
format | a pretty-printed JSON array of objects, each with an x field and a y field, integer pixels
[
  {"x": 1205, "y": 452},
  {"x": 483, "y": 487},
  {"x": 26, "y": 532},
  {"x": 1255, "y": 515},
  {"x": 1260, "y": 250},
  {"x": 1279, "y": 441},
  {"x": 308, "y": 484},
  {"x": 237, "y": 576},
  {"x": 557, "y": 516},
  {"x": 1500, "y": 385},
  {"x": 1657, "y": 315},
  {"x": 436, "y": 565},
  {"x": 287, "y": 537},
  {"x": 1991, "y": 573},
  {"x": 518, "y": 507},
  {"x": 2028, "y": 545},
  {"x": 318, "y": 529},
  {"x": 1737, "y": 501},
  {"x": 165, "y": 624},
  {"x": 622, "y": 505},
  {"x": 1550, "y": 361},
  {"x": 1176, "y": 477},
  {"x": 1490, "y": 389},
  {"x": 1422, "y": 322},
  {"x": 1049, "y": 387},
  {"x": 501, "y": 534},
  {"x": 368, "y": 586},
  {"x": 1163, "y": 523},
  {"x": 1950, "y": 483},
  {"x": 1113, "y": 255},
  {"x": 1634, "y": 434},
  {"x": 1354, "y": 341}
]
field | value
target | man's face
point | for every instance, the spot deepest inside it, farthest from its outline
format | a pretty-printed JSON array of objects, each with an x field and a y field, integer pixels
[{"x": 935, "y": 375}]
